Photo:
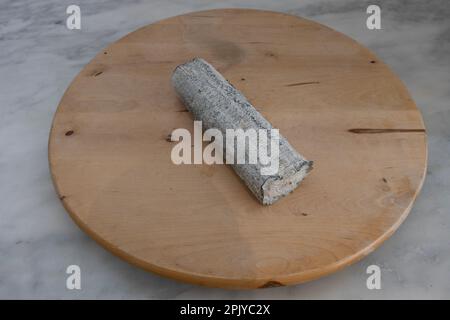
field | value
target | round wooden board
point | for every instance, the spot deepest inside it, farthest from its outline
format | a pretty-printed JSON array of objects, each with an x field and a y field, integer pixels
[{"x": 334, "y": 101}]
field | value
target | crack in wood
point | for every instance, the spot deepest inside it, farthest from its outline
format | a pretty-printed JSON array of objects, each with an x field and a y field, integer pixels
[
  {"x": 370, "y": 131},
  {"x": 301, "y": 83}
]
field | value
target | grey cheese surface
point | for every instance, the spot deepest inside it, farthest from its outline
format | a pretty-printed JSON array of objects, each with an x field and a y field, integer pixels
[{"x": 214, "y": 101}]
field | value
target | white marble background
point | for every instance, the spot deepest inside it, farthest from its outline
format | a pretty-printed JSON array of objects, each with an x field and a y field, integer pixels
[{"x": 38, "y": 59}]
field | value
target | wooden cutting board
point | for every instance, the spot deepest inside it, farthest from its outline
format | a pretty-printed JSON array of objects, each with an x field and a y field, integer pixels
[{"x": 334, "y": 101}]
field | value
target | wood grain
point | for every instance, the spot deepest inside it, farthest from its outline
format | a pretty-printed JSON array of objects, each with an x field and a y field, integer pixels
[{"x": 329, "y": 96}]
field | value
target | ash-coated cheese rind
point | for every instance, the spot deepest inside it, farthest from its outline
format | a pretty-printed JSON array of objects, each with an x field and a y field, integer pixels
[{"x": 214, "y": 101}]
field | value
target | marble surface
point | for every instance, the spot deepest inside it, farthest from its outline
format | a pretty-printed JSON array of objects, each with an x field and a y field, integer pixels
[{"x": 39, "y": 57}]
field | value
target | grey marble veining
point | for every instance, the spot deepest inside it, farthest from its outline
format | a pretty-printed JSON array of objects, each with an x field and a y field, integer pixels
[{"x": 38, "y": 59}]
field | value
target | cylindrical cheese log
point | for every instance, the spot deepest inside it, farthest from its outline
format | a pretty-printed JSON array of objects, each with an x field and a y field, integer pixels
[{"x": 214, "y": 101}]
